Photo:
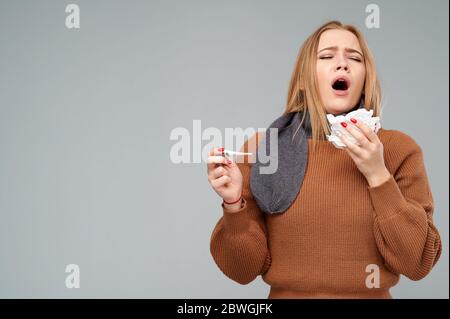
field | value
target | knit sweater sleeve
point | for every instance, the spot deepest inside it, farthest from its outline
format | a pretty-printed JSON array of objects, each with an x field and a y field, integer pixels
[
  {"x": 403, "y": 226},
  {"x": 239, "y": 240}
]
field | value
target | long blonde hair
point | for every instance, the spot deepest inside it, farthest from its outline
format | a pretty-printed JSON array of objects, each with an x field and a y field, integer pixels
[{"x": 303, "y": 92}]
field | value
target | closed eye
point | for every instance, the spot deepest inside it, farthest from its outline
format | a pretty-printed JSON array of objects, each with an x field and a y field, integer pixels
[{"x": 329, "y": 57}]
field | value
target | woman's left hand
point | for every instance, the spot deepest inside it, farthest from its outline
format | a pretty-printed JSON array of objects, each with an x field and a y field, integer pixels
[{"x": 367, "y": 153}]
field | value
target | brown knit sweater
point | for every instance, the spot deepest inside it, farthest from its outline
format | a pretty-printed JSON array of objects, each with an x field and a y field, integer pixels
[{"x": 324, "y": 244}]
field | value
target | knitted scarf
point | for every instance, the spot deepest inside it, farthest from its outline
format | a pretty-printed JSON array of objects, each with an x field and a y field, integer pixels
[{"x": 275, "y": 192}]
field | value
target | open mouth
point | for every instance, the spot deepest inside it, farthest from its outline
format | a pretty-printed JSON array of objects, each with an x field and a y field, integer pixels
[{"x": 340, "y": 84}]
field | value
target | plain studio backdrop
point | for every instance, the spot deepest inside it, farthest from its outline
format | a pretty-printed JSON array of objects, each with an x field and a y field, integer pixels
[{"x": 86, "y": 116}]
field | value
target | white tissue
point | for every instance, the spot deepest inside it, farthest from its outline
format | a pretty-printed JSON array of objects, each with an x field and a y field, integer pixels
[{"x": 362, "y": 115}]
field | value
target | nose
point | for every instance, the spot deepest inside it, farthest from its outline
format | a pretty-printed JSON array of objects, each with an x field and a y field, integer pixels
[{"x": 342, "y": 64}]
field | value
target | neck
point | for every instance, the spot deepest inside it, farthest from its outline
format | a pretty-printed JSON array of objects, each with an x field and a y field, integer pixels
[{"x": 307, "y": 122}]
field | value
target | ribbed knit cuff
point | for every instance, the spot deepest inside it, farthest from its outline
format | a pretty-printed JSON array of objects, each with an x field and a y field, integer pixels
[
  {"x": 236, "y": 221},
  {"x": 387, "y": 199}
]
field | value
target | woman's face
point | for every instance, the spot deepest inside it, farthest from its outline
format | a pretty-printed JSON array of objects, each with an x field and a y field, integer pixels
[{"x": 340, "y": 70}]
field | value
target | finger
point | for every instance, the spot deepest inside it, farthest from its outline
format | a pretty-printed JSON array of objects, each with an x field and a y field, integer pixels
[
  {"x": 220, "y": 181},
  {"x": 216, "y": 151},
  {"x": 213, "y": 160},
  {"x": 370, "y": 135},
  {"x": 360, "y": 138},
  {"x": 352, "y": 147},
  {"x": 351, "y": 154},
  {"x": 230, "y": 161},
  {"x": 218, "y": 172}
]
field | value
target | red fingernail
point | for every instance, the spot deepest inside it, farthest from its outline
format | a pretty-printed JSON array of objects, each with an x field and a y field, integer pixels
[
  {"x": 221, "y": 149},
  {"x": 353, "y": 120},
  {"x": 344, "y": 124}
]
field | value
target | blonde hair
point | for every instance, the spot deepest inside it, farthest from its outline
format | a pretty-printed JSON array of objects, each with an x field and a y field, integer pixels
[{"x": 303, "y": 92}]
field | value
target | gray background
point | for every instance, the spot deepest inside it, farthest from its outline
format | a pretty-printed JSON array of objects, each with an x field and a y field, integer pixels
[{"x": 85, "y": 118}]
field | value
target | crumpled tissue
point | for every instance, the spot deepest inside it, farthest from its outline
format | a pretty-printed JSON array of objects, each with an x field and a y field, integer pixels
[{"x": 337, "y": 130}]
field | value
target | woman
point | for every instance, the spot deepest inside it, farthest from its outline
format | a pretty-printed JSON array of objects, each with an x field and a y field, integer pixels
[{"x": 349, "y": 221}]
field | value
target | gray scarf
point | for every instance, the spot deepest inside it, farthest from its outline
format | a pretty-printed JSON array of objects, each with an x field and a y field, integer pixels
[{"x": 275, "y": 193}]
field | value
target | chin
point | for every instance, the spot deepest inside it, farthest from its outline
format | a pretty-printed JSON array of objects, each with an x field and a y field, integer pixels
[
  {"x": 337, "y": 109},
  {"x": 341, "y": 106}
]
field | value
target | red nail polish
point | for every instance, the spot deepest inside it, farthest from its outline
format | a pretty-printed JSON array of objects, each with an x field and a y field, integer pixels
[
  {"x": 344, "y": 124},
  {"x": 353, "y": 120},
  {"x": 221, "y": 149}
]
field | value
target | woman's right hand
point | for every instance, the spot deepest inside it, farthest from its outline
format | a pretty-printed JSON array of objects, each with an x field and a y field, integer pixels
[{"x": 224, "y": 176}]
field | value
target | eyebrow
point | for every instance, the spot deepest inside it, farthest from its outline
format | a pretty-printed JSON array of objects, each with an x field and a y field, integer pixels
[{"x": 334, "y": 48}]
